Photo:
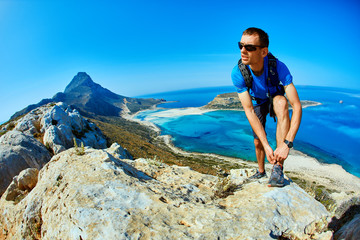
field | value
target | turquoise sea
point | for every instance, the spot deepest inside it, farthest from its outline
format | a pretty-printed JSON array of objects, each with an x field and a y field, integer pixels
[{"x": 329, "y": 132}]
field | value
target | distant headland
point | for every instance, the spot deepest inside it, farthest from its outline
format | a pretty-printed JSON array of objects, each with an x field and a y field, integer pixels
[{"x": 230, "y": 101}]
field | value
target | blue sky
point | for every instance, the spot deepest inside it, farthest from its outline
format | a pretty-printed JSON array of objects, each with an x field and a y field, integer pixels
[{"x": 138, "y": 47}]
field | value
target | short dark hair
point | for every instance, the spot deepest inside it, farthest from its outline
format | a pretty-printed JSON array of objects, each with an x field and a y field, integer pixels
[{"x": 263, "y": 36}]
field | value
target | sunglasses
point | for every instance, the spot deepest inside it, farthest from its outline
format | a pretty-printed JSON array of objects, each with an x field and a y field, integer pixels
[{"x": 249, "y": 47}]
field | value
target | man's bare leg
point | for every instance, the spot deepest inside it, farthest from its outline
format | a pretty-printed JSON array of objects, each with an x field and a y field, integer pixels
[
  {"x": 281, "y": 109},
  {"x": 260, "y": 154}
]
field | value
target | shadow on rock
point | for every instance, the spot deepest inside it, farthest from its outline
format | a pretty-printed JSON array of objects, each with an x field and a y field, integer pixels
[{"x": 348, "y": 224}]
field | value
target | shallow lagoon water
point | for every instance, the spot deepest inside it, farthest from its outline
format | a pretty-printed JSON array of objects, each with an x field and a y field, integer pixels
[{"x": 329, "y": 132}]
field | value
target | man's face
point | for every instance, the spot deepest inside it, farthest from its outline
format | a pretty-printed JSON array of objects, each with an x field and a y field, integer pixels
[{"x": 252, "y": 57}]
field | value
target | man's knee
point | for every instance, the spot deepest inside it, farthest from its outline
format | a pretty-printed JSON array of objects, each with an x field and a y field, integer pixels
[
  {"x": 281, "y": 107},
  {"x": 258, "y": 144}
]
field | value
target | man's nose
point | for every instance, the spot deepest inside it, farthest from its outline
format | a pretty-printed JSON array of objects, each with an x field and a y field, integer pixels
[{"x": 243, "y": 50}]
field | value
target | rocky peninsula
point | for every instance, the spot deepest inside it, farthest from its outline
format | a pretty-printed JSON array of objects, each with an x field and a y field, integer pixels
[{"x": 230, "y": 101}]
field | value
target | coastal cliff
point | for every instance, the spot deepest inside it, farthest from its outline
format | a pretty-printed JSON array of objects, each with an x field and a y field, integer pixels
[{"x": 225, "y": 101}]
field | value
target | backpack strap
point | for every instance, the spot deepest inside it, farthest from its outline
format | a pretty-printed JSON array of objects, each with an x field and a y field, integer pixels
[
  {"x": 273, "y": 81},
  {"x": 273, "y": 77},
  {"x": 248, "y": 78},
  {"x": 273, "y": 74},
  {"x": 245, "y": 72}
]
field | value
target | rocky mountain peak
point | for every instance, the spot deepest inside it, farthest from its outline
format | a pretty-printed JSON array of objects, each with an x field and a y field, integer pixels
[
  {"x": 82, "y": 79},
  {"x": 90, "y": 98}
]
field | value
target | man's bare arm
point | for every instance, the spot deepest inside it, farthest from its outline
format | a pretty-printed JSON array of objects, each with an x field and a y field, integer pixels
[
  {"x": 282, "y": 151},
  {"x": 294, "y": 100}
]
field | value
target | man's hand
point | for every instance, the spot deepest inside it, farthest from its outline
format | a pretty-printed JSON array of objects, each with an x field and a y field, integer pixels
[
  {"x": 281, "y": 152},
  {"x": 270, "y": 154}
]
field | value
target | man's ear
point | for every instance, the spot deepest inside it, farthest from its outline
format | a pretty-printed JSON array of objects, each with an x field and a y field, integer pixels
[{"x": 264, "y": 52}]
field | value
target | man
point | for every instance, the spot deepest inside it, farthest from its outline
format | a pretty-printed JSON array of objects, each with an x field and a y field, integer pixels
[{"x": 258, "y": 99}]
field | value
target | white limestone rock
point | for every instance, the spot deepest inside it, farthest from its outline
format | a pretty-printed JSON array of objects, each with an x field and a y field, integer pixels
[
  {"x": 100, "y": 196},
  {"x": 54, "y": 139},
  {"x": 27, "y": 179},
  {"x": 55, "y": 116},
  {"x": 240, "y": 176},
  {"x": 76, "y": 120},
  {"x": 50, "y": 129},
  {"x": 119, "y": 152},
  {"x": 61, "y": 124},
  {"x": 27, "y": 125},
  {"x": 22, "y": 184},
  {"x": 94, "y": 139},
  {"x": 19, "y": 151}
]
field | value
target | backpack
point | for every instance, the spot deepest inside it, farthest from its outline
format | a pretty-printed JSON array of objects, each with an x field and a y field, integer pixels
[{"x": 274, "y": 85}]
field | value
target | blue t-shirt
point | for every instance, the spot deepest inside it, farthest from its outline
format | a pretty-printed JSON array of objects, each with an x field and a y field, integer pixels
[{"x": 259, "y": 87}]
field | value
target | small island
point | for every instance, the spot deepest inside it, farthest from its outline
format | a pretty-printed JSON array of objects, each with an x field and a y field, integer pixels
[{"x": 230, "y": 101}]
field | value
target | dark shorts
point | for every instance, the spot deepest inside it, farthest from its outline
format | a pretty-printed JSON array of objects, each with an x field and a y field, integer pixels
[{"x": 261, "y": 112}]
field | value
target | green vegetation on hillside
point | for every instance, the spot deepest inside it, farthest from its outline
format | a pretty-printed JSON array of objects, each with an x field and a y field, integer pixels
[
  {"x": 319, "y": 192},
  {"x": 142, "y": 142}
]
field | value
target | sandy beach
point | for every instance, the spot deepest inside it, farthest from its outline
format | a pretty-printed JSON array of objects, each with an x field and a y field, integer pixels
[{"x": 332, "y": 176}]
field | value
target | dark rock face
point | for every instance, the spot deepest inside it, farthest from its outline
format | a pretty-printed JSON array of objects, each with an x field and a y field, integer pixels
[
  {"x": 81, "y": 80},
  {"x": 90, "y": 98}
]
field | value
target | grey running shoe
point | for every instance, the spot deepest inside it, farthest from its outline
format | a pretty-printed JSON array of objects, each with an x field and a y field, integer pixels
[
  {"x": 258, "y": 175},
  {"x": 277, "y": 177}
]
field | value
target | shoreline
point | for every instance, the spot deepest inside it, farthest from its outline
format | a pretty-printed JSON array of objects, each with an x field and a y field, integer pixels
[{"x": 333, "y": 176}]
